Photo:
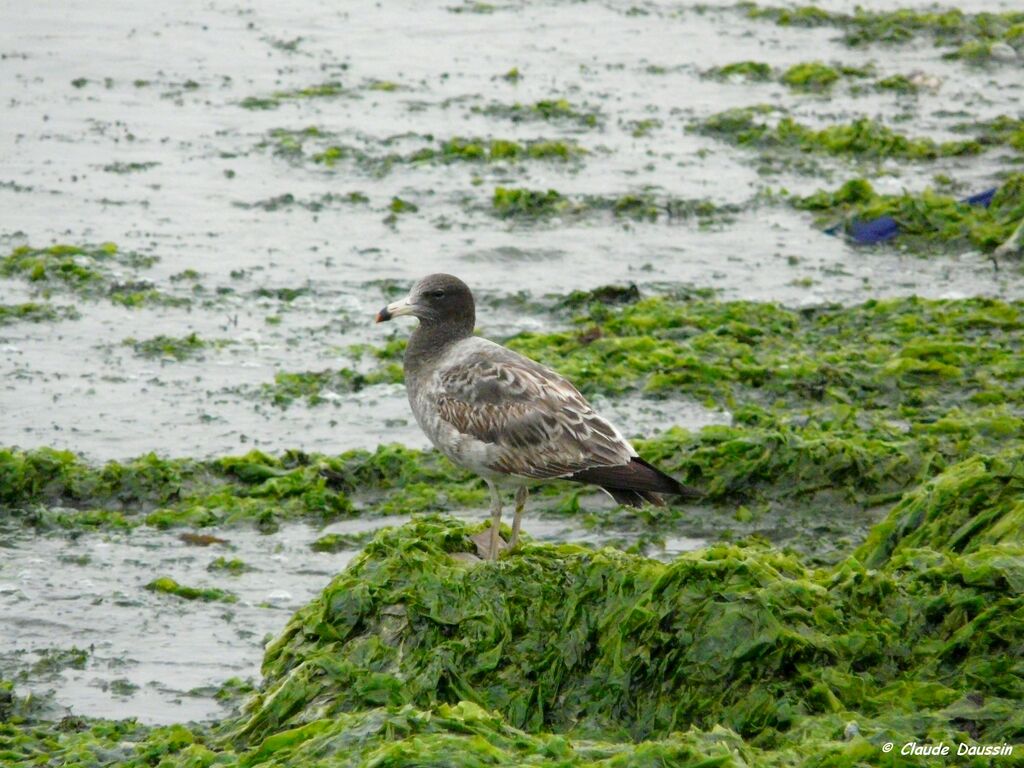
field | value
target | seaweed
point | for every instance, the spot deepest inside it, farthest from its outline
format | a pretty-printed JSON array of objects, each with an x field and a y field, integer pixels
[
  {"x": 341, "y": 542},
  {"x": 756, "y": 71},
  {"x": 398, "y": 205},
  {"x": 316, "y": 387},
  {"x": 52, "y": 660},
  {"x": 121, "y": 167},
  {"x": 57, "y": 488},
  {"x": 946, "y": 27},
  {"x": 548, "y": 110},
  {"x": 565, "y": 640},
  {"x": 508, "y": 202},
  {"x": 810, "y": 76},
  {"x": 863, "y": 138},
  {"x": 898, "y": 84},
  {"x": 645, "y": 205},
  {"x": 495, "y": 150},
  {"x": 234, "y": 566},
  {"x": 86, "y": 271},
  {"x": 908, "y": 357},
  {"x": 973, "y": 505},
  {"x": 807, "y": 76},
  {"x": 998, "y": 131},
  {"x": 167, "y": 586},
  {"x": 36, "y": 312},
  {"x": 296, "y": 146},
  {"x": 169, "y": 347},
  {"x": 316, "y": 203},
  {"x": 330, "y": 89}
]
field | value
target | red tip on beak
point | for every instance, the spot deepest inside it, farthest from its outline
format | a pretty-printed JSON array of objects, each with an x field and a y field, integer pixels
[{"x": 383, "y": 315}]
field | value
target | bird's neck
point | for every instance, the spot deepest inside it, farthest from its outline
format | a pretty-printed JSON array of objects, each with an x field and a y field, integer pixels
[{"x": 429, "y": 340}]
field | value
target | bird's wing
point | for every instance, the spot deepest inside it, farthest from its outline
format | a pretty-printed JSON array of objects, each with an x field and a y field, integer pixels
[{"x": 536, "y": 422}]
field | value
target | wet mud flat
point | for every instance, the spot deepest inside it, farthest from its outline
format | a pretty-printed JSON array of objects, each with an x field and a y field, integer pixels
[{"x": 209, "y": 458}]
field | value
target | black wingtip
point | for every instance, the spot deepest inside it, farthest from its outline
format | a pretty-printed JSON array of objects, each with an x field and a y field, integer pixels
[
  {"x": 637, "y": 483},
  {"x": 671, "y": 486}
]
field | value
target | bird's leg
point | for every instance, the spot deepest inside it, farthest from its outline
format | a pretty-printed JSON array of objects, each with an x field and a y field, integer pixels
[
  {"x": 521, "y": 494},
  {"x": 495, "y": 519}
]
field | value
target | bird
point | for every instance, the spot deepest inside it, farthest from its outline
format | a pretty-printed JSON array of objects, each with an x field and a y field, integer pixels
[{"x": 506, "y": 417}]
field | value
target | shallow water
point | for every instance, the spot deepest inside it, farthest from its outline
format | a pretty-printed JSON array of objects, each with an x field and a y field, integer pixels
[
  {"x": 95, "y": 600},
  {"x": 163, "y": 87}
]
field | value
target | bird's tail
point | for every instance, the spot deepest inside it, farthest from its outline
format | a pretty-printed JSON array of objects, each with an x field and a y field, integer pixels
[{"x": 636, "y": 483}]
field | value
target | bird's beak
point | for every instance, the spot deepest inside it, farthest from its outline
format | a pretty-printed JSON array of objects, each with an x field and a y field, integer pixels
[{"x": 396, "y": 309}]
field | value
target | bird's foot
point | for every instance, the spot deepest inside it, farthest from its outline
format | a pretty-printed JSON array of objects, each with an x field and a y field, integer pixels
[{"x": 482, "y": 541}]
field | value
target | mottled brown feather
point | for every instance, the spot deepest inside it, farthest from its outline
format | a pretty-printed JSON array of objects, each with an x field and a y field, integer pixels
[{"x": 540, "y": 423}]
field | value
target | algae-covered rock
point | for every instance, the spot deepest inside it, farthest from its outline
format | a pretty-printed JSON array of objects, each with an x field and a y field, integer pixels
[
  {"x": 561, "y": 639},
  {"x": 972, "y": 504}
]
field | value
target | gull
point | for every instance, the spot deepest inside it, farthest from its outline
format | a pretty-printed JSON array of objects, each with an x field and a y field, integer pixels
[{"x": 506, "y": 417}]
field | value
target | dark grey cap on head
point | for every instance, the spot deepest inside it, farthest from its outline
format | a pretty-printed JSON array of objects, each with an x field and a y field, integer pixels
[{"x": 437, "y": 299}]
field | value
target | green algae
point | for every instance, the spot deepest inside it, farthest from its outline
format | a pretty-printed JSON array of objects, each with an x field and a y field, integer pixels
[
  {"x": 459, "y": 736},
  {"x": 811, "y": 76},
  {"x": 341, "y": 542},
  {"x": 327, "y": 90},
  {"x": 946, "y": 27},
  {"x": 167, "y": 586},
  {"x": 53, "y": 660},
  {"x": 315, "y": 387},
  {"x": 884, "y": 355},
  {"x": 121, "y": 167},
  {"x": 87, "y": 271},
  {"x": 646, "y": 205},
  {"x": 234, "y": 566},
  {"x": 1001, "y": 130},
  {"x": 496, "y": 150},
  {"x": 926, "y": 219},
  {"x": 36, "y": 312},
  {"x": 169, "y": 347},
  {"x": 383, "y": 86},
  {"x": 285, "y": 294},
  {"x": 234, "y": 690},
  {"x": 57, "y": 488},
  {"x": 548, "y": 110},
  {"x": 530, "y": 203},
  {"x": 398, "y": 205},
  {"x": 807, "y": 76},
  {"x": 315, "y": 204},
  {"x": 756, "y": 71},
  {"x": 863, "y": 138},
  {"x": 641, "y": 128},
  {"x": 975, "y": 504},
  {"x": 74, "y": 266},
  {"x": 898, "y": 84},
  {"x": 598, "y": 643},
  {"x": 322, "y": 148},
  {"x": 458, "y": 150}
]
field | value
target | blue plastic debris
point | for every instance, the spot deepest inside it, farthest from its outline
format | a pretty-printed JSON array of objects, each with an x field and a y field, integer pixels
[{"x": 885, "y": 227}]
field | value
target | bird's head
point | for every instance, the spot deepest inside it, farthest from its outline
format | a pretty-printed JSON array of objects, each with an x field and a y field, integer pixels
[{"x": 435, "y": 299}]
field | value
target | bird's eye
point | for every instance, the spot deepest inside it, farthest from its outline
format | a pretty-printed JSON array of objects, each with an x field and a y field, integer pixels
[{"x": 437, "y": 294}]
